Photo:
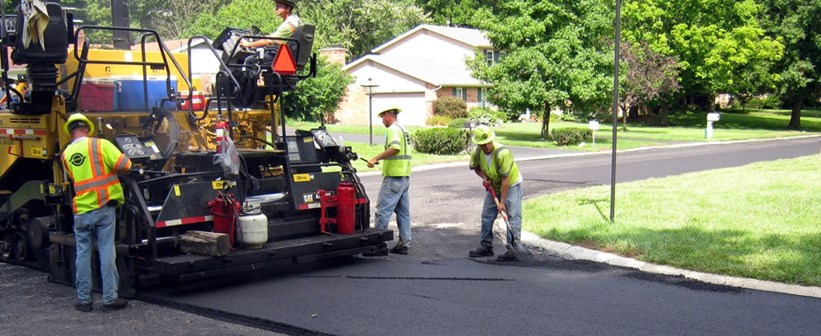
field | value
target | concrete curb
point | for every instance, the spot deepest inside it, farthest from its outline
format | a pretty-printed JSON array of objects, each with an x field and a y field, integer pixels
[{"x": 571, "y": 252}]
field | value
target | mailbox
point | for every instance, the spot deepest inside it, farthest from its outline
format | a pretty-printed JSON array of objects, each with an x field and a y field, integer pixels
[{"x": 711, "y": 118}]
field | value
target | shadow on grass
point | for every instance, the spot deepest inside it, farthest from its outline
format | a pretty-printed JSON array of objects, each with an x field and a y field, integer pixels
[
  {"x": 595, "y": 203},
  {"x": 762, "y": 121},
  {"x": 520, "y": 136}
]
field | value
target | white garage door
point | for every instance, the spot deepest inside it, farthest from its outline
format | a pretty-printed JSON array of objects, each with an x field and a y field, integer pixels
[{"x": 414, "y": 109}]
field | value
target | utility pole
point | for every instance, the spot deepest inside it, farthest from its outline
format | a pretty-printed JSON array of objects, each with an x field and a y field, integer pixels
[
  {"x": 119, "y": 18},
  {"x": 615, "y": 115}
]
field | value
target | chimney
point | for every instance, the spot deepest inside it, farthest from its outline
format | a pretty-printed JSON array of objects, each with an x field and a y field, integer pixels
[{"x": 335, "y": 54}]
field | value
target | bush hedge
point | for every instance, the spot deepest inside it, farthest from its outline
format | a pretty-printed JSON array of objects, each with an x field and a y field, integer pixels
[
  {"x": 570, "y": 136},
  {"x": 486, "y": 116},
  {"x": 450, "y": 106},
  {"x": 458, "y": 123},
  {"x": 441, "y": 141},
  {"x": 438, "y": 121}
]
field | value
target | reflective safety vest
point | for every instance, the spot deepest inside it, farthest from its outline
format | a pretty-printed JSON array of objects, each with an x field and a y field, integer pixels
[
  {"x": 93, "y": 165},
  {"x": 400, "y": 164},
  {"x": 501, "y": 165}
]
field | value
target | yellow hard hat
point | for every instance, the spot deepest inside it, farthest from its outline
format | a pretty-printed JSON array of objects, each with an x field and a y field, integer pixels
[
  {"x": 393, "y": 109},
  {"x": 483, "y": 134},
  {"x": 77, "y": 117}
]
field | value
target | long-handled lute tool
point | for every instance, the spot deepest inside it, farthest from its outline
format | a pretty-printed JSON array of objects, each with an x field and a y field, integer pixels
[{"x": 514, "y": 246}]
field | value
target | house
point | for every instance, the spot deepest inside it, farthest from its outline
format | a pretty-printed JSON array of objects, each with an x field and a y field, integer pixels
[{"x": 413, "y": 70}]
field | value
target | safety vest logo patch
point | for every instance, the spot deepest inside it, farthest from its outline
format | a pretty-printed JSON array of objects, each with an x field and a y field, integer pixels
[{"x": 77, "y": 159}]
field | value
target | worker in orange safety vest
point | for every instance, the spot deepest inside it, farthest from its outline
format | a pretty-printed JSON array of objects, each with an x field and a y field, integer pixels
[{"x": 93, "y": 164}]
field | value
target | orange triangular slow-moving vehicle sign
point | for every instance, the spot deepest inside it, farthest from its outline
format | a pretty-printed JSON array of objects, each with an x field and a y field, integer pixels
[{"x": 284, "y": 63}]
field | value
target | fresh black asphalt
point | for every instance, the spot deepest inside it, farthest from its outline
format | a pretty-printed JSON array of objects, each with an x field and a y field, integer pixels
[
  {"x": 432, "y": 292},
  {"x": 465, "y": 297}
]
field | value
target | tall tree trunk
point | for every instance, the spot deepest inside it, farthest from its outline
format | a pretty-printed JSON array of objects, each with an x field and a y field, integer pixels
[
  {"x": 545, "y": 121},
  {"x": 664, "y": 112},
  {"x": 795, "y": 116}
]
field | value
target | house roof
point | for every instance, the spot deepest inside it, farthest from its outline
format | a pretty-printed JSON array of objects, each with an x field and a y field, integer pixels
[
  {"x": 472, "y": 37},
  {"x": 433, "y": 71}
]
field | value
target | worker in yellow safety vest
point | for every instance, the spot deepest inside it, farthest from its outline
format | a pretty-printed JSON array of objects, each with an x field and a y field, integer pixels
[
  {"x": 495, "y": 165},
  {"x": 396, "y": 170},
  {"x": 93, "y": 164}
]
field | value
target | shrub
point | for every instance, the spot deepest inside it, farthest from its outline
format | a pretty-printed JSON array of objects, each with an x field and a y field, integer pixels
[
  {"x": 764, "y": 102},
  {"x": 486, "y": 116},
  {"x": 441, "y": 140},
  {"x": 458, "y": 123},
  {"x": 568, "y": 116},
  {"x": 450, "y": 106},
  {"x": 438, "y": 121},
  {"x": 570, "y": 136}
]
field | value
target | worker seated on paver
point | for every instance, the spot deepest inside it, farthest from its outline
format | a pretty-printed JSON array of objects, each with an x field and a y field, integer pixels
[{"x": 284, "y": 9}]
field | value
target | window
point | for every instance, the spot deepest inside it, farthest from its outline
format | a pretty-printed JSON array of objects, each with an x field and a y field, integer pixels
[
  {"x": 460, "y": 93},
  {"x": 493, "y": 56}
]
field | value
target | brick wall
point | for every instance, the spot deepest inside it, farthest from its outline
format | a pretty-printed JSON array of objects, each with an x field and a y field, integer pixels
[{"x": 353, "y": 107}]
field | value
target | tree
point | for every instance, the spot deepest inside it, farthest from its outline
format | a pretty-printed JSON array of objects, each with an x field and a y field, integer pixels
[
  {"x": 455, "y": 12},
  {"x": 98, "y": 12},
  {"x": 648, "y": 76},
  {"x": 796, "y": 22},
  {"x": 360, "y": 25},
  {"x": 557, "y": 55},
  {"x": 178, "y": 19},
  {"x": 318, "y": 95},
  {"x": 715, "y": 41},
  {"x": 242, "y": 14}
]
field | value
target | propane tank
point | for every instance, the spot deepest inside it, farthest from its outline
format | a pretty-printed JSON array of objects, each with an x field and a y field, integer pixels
[
  {"x": 346, "y": 208},
  {"x": 253, "y": 226},
  {"x": 221, "y": 127}
]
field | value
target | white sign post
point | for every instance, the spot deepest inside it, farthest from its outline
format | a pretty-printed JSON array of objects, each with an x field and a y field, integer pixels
[{"x": 593, "y": 125}]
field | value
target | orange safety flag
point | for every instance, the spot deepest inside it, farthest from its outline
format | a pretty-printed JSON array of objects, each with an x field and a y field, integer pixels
[{"x": 284, "y": 63}]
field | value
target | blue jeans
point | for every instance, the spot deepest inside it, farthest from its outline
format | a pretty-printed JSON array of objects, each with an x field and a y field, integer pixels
[
  {"x": 393, "y": 197},
  {"x": 514, "y": 215},
  {"x": 100, "y": 225}
]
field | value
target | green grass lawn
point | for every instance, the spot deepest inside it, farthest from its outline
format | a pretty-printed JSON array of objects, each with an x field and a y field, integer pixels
[
  {"x": 685, "y": 127},
  {"x": 759, "y": 221}
]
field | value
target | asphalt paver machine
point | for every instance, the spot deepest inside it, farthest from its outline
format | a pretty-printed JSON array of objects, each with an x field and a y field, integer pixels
[{"x": 185, "y": 179}]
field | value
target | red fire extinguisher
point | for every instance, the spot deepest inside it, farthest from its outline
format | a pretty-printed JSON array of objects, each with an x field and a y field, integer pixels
[
  {"x": 345, "y": 210},
  {"x": 225, "y": 210},
  {"x": 345, "y": 202},
  {"x": 221, "y": 129}
]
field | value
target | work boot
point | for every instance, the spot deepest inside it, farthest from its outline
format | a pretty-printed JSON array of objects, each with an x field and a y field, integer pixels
[
  {"x": 116, "y": 305},
  {"x": 482, "y": 251},
  {"x": 400, "y": 249},
  {"x": 508, "y": 256},
  {"x": 83, "y": 307}
]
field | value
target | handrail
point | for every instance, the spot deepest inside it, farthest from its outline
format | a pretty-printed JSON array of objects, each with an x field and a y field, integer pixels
[
  {"x": 223, "y": 67},
  {"x": 146, "y": 34}
]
